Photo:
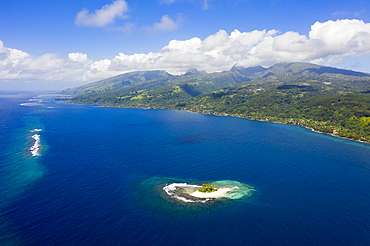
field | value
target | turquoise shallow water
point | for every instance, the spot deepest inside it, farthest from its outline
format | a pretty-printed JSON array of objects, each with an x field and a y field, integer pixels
[{"x": 99, "y": 175}]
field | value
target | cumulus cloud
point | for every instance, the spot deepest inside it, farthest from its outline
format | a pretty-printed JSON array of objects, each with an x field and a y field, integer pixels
[
  {"x": 104, "y": 16},
  {"x": 215, "y": 40},
  {"x": 78, "y": 57},
  {"x": 342, "y": 37},
  {"x": 329, "y": 41},
  {"x": 17, "y": 64},
  {"x": 166, "y": 24}
]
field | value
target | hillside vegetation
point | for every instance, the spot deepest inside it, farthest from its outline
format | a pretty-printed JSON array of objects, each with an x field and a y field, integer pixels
[{"x": 326, "y": 99}]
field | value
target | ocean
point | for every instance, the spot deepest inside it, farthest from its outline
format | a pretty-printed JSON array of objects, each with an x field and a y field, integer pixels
[{"x": 88, "y": 175}]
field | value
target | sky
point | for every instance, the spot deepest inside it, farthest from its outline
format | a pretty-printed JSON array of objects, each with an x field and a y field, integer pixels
[{"x": 54, "y": 45}]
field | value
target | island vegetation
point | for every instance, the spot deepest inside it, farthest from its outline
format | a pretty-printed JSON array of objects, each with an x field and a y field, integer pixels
[
  {"x": 208, "y": 188},
  {"x": 329, "y": 100}
]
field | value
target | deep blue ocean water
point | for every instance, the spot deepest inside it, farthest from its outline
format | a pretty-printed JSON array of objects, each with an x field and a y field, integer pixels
[{"x": 98, "y": 173}]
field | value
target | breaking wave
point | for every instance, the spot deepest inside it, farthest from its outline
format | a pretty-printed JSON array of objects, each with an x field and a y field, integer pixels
[
  {"x": 32, "y": 104},
  {"x": 35, "y": 149},
  {"x": 182, "y": 191}
]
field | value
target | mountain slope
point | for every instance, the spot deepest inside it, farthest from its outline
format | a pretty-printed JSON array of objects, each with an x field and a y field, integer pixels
[
  {"x": 160, "y": 89},
  {"x": 117, "y": 82},
  {"x": 204, "y": 82},
  {"x": 163, "y": 91},
  {"x": 326, "y": 99}
]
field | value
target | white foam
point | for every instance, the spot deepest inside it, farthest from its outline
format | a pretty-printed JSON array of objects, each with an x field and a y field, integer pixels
[
  {"x": 171, "y": 187},
  {"x": 36, "y": 146},
  {"x": 30, "y": 104},
  {"x": 35, "y": 100},
  {"x": 36, "y": 130}
]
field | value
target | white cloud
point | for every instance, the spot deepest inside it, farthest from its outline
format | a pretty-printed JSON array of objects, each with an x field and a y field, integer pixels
[
  {"x": 104, "y": 16},
  {"x": 79, "y": 57},
  {"x": 215, "y": 40},
  {"x": 329, "y": 42},
  {"x": 342, "y": 37},
  {"x": 166, "y": 24},
  {"x": 17, "y": 64}
]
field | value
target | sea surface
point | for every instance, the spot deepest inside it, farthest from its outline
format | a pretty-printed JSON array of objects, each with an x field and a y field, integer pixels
[{"x": 87, "y": 175}]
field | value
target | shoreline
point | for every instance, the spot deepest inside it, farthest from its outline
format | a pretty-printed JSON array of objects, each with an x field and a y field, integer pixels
[{"x": 246, "y": 118}]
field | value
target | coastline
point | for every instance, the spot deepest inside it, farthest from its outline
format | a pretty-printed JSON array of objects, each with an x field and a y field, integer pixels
[{"x": 225, "y": 115}]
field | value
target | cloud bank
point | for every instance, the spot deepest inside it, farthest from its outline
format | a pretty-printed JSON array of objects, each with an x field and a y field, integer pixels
[
  {"x": 104, "y": 16},
  {"x": 218, "y": 52},
  {"x": 17, "y": 64}
]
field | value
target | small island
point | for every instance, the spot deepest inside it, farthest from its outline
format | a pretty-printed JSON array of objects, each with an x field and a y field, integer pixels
[
  {"x": 209, "y": 191},
  {"x": 214, "y": 194},
  {"x": 225, "y": 189}
]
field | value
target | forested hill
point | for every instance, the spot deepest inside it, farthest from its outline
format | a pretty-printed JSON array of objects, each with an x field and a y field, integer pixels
[
  {"x": 117, "y": 82},
  {"x": 204, "y": 82},
  {"x": 327, "y": 99}
]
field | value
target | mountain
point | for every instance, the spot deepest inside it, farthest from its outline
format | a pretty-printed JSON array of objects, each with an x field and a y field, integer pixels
[
  {"x": 248, "y": 71},
  {"x": 156, "y": 87},
  {"x": 161, "y": 89},
  {"x": 207, "y": 82},
  {"x": 194, "y": 71},
  {"x": 117, "y": 82},
  {"x": 327, "y": 99}
]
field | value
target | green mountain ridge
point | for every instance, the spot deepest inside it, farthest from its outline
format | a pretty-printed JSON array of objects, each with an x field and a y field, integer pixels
[
  {"x": 326, "y": 99},
  {"x": 202, "y": 81},
  {"x": 117, "y": 82}
]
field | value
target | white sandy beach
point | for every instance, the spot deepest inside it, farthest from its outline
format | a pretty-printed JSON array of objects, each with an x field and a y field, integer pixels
[{"x": 220, "y": 192}]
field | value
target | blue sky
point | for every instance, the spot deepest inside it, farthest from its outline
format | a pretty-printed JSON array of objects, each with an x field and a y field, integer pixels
[{"x": 55, "y": 45}]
